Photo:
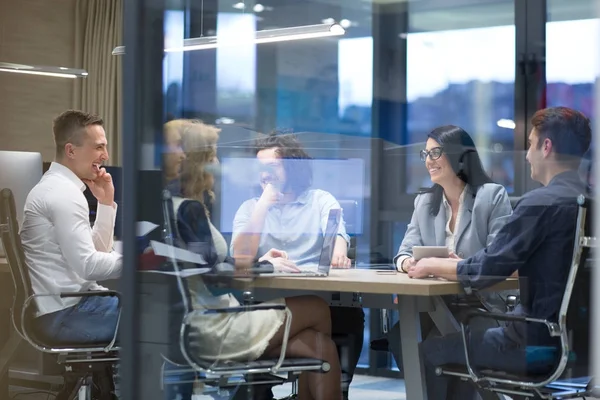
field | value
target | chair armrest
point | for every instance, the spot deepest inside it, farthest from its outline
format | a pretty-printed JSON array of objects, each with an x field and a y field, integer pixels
[
  {"x": 89, "y": 293},
  {"x": 240, "y": 309},
  {"x": 253, "y": 307},
  {"x": 553, "y": 328},
  {"x": 469, "y": 302},
  {"x": 101, "y": 293}
]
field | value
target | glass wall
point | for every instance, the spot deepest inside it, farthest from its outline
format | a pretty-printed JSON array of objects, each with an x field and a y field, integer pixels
[
  {"x": 460, "y": 70},
  {"x": 206, "y": 203},
  {"x": 570, "y": 71},
  {"x": 361, "y": 104}
]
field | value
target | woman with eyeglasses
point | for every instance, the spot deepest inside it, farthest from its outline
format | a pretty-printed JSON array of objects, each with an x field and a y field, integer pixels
[{"x": 463, "y": 211}]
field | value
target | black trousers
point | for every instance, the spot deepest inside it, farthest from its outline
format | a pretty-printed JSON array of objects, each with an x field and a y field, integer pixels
[{"x": 348, "y": 331}]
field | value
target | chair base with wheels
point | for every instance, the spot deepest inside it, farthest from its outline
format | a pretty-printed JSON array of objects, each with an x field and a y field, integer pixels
[
  {"x": 235, "y": 379},
  {"x": 88, "y": 376}
]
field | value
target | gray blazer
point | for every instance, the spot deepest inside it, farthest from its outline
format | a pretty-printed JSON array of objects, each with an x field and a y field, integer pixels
[{"x": 482, "y": 216}]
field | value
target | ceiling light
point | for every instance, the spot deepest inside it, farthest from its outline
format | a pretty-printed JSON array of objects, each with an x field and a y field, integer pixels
[
  {"x": 264, "y": 36},
  {"x": 56, "y": 72},
  {"x": 239, "y": 5},
  {"x": 224, "y": 121},
  {"x": 328, "y": 21},
  {"x": 119, "y": 50},
  {"x": 258, "y": 8},
  {"x": 506, "y": 123},
  {"x": 345, "y": 23}
]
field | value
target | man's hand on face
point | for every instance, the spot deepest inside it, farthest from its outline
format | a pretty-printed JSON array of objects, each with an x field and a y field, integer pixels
[
  {"x": 102, "y": 187},
  {"x": 269, "y": 196}
]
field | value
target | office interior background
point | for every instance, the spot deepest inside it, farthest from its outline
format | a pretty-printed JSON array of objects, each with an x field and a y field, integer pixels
[{"x": 362, "y": 103}]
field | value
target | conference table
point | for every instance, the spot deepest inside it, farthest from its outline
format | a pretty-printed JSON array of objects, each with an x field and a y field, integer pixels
[
  {"x": 372, "y": 288},
  {"x": 360, "y": 287}
]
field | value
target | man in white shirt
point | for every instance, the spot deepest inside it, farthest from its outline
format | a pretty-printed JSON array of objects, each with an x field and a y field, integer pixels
[{"x": 63, "y": 252}]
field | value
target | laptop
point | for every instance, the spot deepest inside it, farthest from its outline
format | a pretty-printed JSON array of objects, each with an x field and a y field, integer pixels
[{"x": 331, "y": 230}]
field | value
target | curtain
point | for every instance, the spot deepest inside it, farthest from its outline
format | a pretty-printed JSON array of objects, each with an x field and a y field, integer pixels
[{"x": 98, "y": 30}]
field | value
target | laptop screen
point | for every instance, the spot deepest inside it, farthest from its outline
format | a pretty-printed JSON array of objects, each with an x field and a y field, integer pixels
[{"x": 331, "y": 230}]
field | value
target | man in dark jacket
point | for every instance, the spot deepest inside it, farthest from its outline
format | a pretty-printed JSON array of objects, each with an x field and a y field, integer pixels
[{"x": 536, "y": 242}]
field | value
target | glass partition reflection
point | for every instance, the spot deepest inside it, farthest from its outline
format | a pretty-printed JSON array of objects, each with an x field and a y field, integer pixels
[{"x": 260, "y": 136}]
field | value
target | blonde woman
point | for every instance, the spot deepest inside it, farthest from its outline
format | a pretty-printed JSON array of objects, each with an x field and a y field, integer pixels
[{"x": 247, "y": 335}]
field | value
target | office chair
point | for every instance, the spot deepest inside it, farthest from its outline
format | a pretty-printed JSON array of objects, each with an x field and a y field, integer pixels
[
  {"x": 222, "y": 374},
  {"x": 87, "y": 369},
  {"x": 552, "y": 372}
]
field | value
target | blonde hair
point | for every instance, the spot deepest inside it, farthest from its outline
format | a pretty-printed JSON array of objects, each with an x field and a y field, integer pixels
[{"x": 199, "y": 142}]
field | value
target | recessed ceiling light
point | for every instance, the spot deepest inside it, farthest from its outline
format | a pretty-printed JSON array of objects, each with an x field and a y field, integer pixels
[
  {"x": 506, "y": 123},
  {"x": 328, "y": 21},
  {"x": 258, "y": 8},
  {"x": 239, "y": 5},
  {"x": 225, "y": 121},
  {"x": 345, "y": 23}
]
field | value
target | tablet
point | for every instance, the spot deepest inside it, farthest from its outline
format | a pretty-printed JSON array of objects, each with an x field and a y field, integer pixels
[{"x": 430, "y": 251}]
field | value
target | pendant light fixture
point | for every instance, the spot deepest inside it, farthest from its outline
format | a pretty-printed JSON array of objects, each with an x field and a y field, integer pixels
[
  {"x": 264, "y": 36},
  {"x": 56, "y": 72}
]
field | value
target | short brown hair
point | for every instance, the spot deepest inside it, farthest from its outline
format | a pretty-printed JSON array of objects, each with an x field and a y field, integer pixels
[
  {"x": 69, "y": 127},
  {"x": 568, "y": 130}
]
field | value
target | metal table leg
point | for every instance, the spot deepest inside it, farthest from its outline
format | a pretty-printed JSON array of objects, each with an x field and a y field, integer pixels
[
  {"x": 410, "y": 332},
  {"x": 442, "y": 317}
]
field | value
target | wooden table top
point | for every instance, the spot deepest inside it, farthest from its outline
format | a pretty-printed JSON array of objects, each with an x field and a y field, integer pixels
[
  {"x": 361, "y": 281},
  {"x": 371, "y": 281}
]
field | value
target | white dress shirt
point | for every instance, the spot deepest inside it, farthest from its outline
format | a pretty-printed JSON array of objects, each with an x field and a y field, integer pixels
[
  {"x": 62, "y": 251},
  {"x": 450, "y": 233}
]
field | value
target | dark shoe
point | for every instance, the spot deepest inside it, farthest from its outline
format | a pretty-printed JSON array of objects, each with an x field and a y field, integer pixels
[{"x": 380, "y": 344}]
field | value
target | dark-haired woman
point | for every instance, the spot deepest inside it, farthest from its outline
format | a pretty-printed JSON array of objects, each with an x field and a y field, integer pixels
[{"x": 463, "y": 211}]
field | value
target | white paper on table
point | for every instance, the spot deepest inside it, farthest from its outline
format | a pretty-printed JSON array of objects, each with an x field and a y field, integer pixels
[
  {"x": 165, "y": 250},
  {"x": 144, "y": 227},
  {"x": 184, "y": 273}
]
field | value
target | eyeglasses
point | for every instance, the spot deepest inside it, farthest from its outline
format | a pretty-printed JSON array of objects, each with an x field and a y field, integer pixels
[{"x": 434, "y": 153}]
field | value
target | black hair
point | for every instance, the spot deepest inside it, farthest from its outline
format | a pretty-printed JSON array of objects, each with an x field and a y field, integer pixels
[
  {"x": 459, "y": 148},
  {"x": 289, "y": 149}
]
